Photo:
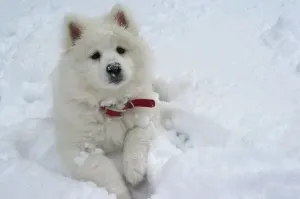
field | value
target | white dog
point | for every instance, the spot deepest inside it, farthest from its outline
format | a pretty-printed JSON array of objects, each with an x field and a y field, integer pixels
[{"x": 103, "y": 101}]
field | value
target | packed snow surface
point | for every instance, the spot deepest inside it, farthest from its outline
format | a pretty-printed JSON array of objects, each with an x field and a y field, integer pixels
[{"x": 231, "y": 67}]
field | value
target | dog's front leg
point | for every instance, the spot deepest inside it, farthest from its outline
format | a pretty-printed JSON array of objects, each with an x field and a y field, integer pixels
[
  {"x": 98, "y": 168},
  {"x": 135, "y": 155}
]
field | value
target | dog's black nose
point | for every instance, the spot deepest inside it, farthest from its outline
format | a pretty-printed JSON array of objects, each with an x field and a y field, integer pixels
[{"x": 114, "y": 69}]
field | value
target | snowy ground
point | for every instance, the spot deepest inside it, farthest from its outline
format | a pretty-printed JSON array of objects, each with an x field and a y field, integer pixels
[{"x": 241, "y": 62}]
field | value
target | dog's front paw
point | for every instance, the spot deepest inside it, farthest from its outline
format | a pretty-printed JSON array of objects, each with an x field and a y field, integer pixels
[
  {"x": 134, "y": 176},
  {"x": 135, "y": 169}
]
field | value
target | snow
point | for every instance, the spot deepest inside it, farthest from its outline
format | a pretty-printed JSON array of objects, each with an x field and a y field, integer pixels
[
  {"x": 232, "y": 67},
  {"x": 79, "y": 160}
]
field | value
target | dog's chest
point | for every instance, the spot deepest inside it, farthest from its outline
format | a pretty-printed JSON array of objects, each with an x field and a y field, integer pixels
[
  {"x": 109, "y": 134},
  {"x": 112, "y": 131}
]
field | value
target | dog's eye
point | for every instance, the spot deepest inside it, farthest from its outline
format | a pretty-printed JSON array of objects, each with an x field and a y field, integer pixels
[
  {"x": 120, "y": 50},
  {"x": 96, "y": 55}
]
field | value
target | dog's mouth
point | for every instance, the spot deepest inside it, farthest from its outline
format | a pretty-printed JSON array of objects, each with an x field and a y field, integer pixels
[{"x": 116, "y": 79}]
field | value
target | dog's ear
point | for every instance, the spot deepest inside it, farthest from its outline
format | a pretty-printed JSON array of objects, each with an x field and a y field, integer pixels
[
  {"x": 122, "y": 16},
  {"x": 73, "y": 29}
]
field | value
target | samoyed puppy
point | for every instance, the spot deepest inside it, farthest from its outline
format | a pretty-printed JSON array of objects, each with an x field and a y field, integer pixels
[{"x": 103, "y": 101}]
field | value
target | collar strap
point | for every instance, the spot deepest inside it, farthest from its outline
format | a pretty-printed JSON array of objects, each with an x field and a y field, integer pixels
[{"x": 113, "y": 112}]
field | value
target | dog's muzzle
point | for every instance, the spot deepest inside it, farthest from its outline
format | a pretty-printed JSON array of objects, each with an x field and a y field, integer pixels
[{"x": 114, "y": 71}]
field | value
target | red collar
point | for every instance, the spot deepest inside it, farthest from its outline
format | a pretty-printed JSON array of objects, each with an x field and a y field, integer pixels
[{"x": 114, "y": 112}]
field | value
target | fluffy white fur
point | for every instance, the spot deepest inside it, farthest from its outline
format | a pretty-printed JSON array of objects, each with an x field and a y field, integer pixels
[{"x": 86, "y": 137}]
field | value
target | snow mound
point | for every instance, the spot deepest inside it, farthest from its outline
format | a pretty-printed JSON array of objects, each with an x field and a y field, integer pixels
[{"x": 231, "y": 173}]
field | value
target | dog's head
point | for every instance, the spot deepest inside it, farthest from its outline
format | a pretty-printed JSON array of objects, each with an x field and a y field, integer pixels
[{"x": 107, "y": 51}]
